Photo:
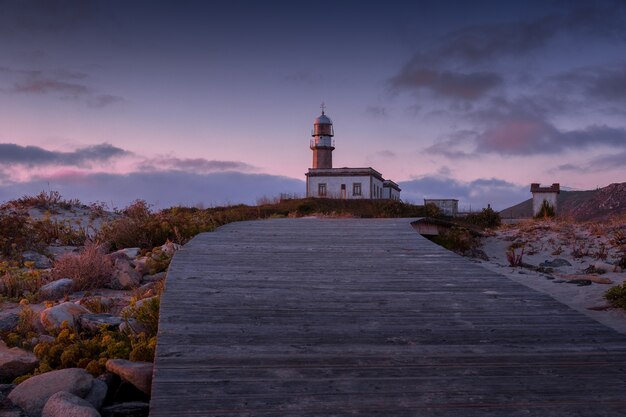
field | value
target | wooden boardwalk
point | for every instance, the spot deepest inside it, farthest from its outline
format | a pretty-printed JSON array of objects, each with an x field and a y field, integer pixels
[{"x": 313, "y": 317}]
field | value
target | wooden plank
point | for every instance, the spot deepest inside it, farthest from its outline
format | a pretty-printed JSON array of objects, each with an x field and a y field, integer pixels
[{"x": 327, "y": 317}]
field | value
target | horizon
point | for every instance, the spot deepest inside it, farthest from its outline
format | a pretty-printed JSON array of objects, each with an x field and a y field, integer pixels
[{"x": 213, "y": 104}]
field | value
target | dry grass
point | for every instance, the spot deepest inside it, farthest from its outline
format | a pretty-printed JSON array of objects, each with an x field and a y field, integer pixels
[{"x": 89, "y": 269}]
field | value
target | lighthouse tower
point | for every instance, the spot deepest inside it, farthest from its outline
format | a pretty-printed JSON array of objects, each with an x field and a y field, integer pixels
[{"x": 322, "y": 143}]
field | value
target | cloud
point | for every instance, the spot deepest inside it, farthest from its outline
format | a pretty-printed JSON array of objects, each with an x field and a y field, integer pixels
[
  {"x": 600, "y": 83},
  {"x": 480, "y": 43},
  {"x": 457, "y": 85},
  {"x": 376, "y": 111},
  {"x": 477, "y": 194},
  {"x": 163, "y": 189},
  {"x": 533, "y": 137},
  {"x": 616, "y": 160},
  {"x": 62, "y": 84},
  {"x": 13, "y": 154},
  {"x": 198, "y": 165}
]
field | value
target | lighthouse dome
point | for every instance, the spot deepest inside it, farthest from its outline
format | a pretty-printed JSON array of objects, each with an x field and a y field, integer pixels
[{"x": 322, "y": 120}]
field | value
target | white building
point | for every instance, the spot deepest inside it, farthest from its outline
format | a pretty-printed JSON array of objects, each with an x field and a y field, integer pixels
[
  {"x": 324, "y": 181},
  {"x": 547, "y": 194}
]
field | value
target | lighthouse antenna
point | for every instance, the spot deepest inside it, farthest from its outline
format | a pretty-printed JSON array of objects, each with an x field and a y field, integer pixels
[{"x": 323, "y": 107}]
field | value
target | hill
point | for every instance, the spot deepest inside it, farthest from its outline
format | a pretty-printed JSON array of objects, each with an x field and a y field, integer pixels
[{"x": 588, "y": 205}]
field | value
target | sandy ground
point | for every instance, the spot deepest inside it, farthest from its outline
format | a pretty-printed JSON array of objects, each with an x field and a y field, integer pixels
[{"x": 581, "y": 245}]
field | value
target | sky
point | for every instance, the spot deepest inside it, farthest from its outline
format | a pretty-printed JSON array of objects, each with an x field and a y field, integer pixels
[{"x": 212, "y": 103}]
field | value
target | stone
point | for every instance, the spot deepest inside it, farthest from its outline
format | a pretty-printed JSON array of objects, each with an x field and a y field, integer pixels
[
  {"x": 52, "y": 317},
  {"x": 33, "y": 393},
  {"x": 169, "y": 248},
  {"x": 56, "y": 289},
  {"x": 131, "y": 253},
  {"x": 125, "y": 277},
  {"x": 40, "y": 261},
  {"x": 65, "y": 404},
  {"x": 141, "y": 265},
  {"x": 160, "y": 276},
  {"x": 133, "y": 326},
  {"x": 15, "y": 362},
  {"x": 129, "y": 409},
  {"x": 9, "y": 322},
  {"x": 137, "y": 373},
  {"x": 555, "y": 263},
  {"x": 58, "y": 251},
  {"x": 98, "y": 393},
  {"x": 92, "y": 322}
]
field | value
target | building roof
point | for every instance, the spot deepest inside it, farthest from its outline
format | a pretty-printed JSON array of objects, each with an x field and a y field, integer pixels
[
  {"x": 391, "y": 184},
  {"x": 322, "y": 120},
  {"x": 344, "y": 172}
]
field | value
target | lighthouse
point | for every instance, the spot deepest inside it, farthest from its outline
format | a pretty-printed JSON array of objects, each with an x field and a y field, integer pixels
[
  {"x": 324, "y": 181},
  {"x": 322, "y": 143}
]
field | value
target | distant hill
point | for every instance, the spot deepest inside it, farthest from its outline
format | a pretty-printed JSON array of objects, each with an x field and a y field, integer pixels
[{"x": 580, "y": 205}]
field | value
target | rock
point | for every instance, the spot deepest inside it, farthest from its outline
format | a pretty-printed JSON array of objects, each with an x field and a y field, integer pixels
[
  {"x": 125, "y": 277},
  {"x": 133, "y": 326},
  {"x": 64, "y": 404},
  {"x": 92, "y": 322},
  {"x": 137, "y": 373},
  {"x": 52, "y": 317},
  {"x": 555, "y": 263},
  {"x": 15, "y": 362},
  {"x": 605, "y": 266},
  {"x": 141, "y": 265},
  {"x": 56, "y": 289},
  {"x": 155, "y": 277},
  {"x": 130, "y": 409},
  {"x": 131, "y": 253},
  {"x": 40, "y": 261},
  {"x": 98, "y": 393},
  {"x": 58, "y": 251},
  {"x": 33, "y": 393},
  {"x": 125, "y": 311},
  {"x": 169, "y": 248},
  {"x": 9, "y": 322}
]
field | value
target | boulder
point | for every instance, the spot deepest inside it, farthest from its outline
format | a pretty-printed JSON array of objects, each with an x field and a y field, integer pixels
[
  {"x": 9, "y": 322},
  {"x": 56, "y": 289},
  {"x": 58, "y": 251},
  {"x": 141, "y": 265},
  {"x": 129, "y": 409},
  {"x": 52, "y": 317},
  {"x": 160, "y": 276},
  {"x": 131, "y": 253},
  {"x": 33, "y": 393},
  {"x": 15, "y": 362},
  {"x": 169, "y": 248},
  {"x": 40, "y": 261},
  {"x": 137, "y": 373},
  {"x": 133, "y": 326},
  {"x": 125, "y": 277},
  {"x": 92, "y": 322},
  {"x": 64, "y": 404},
  {"x": 98, "y": 393}
]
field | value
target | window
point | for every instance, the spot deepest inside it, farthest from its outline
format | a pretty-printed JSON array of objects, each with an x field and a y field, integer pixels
[
  {"x": 321, "y": 190},
  {"x": 356, "y": 188}
]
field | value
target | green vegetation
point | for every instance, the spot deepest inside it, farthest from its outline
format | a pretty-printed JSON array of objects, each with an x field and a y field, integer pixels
[
  {"x": 456, "y": 239},
  {"x": 486, "y": 219},
  {"x": 546, "y": 211},
  {"x": 616, "y": 296}
]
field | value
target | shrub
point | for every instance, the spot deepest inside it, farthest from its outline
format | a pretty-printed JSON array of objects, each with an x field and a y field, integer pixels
[
  {"x": 17, "y": 283},
  {"x": 515, "y": 259},
  {"x": 146, "y": 313},
  {"x": 89, "y": 269},
  {"x": 616, "y": 296},
  {"x": 546, "y": 211},
  {"x": 25, "y": 329},
  {"x": 457, "y": 239},
  {"x": 49, "y": 231},
  {"x": 16, "y": 234},
  {"x": 487, "y": 218}
]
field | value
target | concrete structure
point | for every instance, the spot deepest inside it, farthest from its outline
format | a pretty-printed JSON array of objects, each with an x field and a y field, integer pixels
[
  {"x": 541, "y": 194},
  {"x": 448, "y": 206},
  {"x": 324, "y": 181}
]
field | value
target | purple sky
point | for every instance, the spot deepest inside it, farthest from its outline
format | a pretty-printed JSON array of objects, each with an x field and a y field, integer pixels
[{"x": 213, "y": 102}]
